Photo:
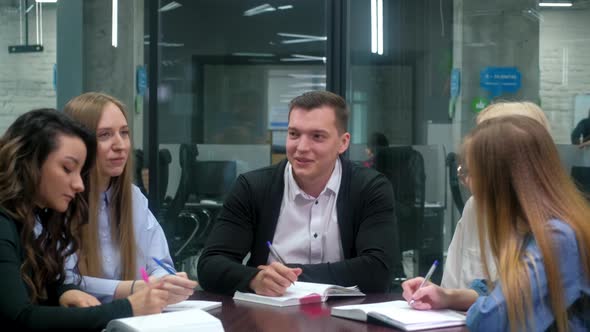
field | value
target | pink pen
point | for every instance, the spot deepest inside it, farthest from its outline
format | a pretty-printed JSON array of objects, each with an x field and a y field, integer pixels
[{"x": 144, "y": 275}]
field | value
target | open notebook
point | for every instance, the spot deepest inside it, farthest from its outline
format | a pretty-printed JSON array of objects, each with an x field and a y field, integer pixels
[
  {"x": 301, "y": 293},
  {"x": 400, "y": 315},
  {"x": 189, "y": 304},
  {"x": 179, "y": 321}
]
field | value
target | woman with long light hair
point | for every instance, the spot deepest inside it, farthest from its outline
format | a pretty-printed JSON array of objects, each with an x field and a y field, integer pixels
[
  {"x": 44, "y": 158},
  {"x": 463, "y": 263},
  {"x": 536, "y": 224},
  {"x": 122, "y": 234}
]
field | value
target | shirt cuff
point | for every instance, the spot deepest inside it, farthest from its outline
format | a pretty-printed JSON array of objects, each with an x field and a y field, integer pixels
[{"x": 480, "y": 287}]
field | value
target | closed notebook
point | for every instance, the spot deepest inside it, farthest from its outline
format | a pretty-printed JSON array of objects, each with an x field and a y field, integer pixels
[
  {"x": 181, "y": 321},
  {"x": 189, "y": 304},
  {"x": 301, "y": 293},
  {"x": 400, "y": 315}
]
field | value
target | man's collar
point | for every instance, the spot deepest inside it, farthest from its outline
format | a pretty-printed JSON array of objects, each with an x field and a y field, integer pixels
[{"x": 332, "y": 185}]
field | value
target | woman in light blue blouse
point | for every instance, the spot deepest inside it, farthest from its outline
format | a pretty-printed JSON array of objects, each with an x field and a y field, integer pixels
[
  {"x": 536, "y": 223},
  {"x": 122, "y": 235}
]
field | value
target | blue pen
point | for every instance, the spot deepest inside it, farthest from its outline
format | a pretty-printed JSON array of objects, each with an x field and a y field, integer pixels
[
  {"x": 426, "y": 278},
  {"x": 164, "y": 266}
]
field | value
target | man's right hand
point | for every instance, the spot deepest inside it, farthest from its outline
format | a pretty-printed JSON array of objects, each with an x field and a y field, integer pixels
[{"x": 274, "y": 279}]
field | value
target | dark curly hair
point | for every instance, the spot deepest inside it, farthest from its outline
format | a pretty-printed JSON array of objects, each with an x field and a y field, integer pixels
[{"x": 23, "y": 150}]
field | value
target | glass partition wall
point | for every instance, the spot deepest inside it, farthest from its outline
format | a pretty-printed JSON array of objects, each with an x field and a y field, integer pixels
[
  {"x": 227, "y": 71},
  {"x": 414, "y": 72}
]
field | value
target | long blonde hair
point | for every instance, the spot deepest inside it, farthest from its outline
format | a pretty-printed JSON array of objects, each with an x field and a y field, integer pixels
[
  {"x": 524, "y": 108},
  {"x": 519, "y": 185},
  {"x": 88, "y": 109}
]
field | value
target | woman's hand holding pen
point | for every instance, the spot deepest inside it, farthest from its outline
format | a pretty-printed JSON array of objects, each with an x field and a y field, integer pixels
[
  {"x": 429, "y": 296},
  {"x": 150, "y": 300},
  {"x": 432, "y": 296},
  {"x": 179, "y": 287},
  {"x": 274, "y": 279}
]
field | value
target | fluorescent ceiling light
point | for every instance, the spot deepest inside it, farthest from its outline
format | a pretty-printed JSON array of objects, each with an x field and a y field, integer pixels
[
  {"x": 267, "y": 55},
  {"x": 307, "y": 85},
  {"x": 114, "y": 19},
  {"x": 555, "y": 4},
  {"x": 259, "y": 10},
  {"x": 46, "y": 1},
  {"x": 301, "y": 57},
  {"x": 308, "y": 76},
  {"x": 377, "y": 26},
  {"x": 285, "y": 7},
  {"x": 299, "y": 38},
  {"x": 169, "y": 6}
]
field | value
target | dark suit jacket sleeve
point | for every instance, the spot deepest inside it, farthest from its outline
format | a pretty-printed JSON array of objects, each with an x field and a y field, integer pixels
[
  {"x": 575, "y": 136},
  {"x": 16, "y": 307},
  {"x": 375, "y": 243},
  {"x": 220, "y": 265}
]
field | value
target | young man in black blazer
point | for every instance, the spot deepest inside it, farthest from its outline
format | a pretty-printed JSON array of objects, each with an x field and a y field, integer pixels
[{"x": 330, "y": 220}]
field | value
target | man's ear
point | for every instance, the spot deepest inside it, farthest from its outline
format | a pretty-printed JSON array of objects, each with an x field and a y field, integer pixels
[{"x": 344, "y": 142}]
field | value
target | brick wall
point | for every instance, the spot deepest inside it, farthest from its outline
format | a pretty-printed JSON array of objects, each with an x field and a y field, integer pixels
[
  {"x": 564, "y": 61},
  {"x": 26, "y": 79}
]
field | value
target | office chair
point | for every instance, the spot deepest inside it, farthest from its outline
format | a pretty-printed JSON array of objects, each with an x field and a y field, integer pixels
[
  {"x": 138, "y": 163},
  {"x": 404, "y": 167},
  {"x": 187, "y": 226},
  {"x": 581, "y": 176}
]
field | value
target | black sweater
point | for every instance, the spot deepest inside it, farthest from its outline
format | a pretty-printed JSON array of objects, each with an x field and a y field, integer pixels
[
  {"x": 16, "y": 307},
  {"x": 249, "y": 217}
]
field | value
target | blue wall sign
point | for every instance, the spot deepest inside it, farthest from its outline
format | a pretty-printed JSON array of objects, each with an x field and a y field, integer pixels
[
  {"x": 498, "y": 80},
  {"x": 141, "y": 80},
  {"x": 455, "y": 82}
]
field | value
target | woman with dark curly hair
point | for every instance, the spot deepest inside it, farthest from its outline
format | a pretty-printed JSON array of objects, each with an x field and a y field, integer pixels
[{"x": 43, "y": 157}]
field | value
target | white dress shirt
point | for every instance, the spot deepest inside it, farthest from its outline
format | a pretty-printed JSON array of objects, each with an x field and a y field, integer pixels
[
  {"x": 150, "y": 240},
  {"x": 463, "y": 264},
  {"x": 307, "y": 230}
]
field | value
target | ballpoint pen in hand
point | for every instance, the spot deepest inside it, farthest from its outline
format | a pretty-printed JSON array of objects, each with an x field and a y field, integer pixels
[
  {"x": 144, "y": 276},
  {"x": 427, "y": 277},
  {"x": 275, "y": 253},
  {"x": 164, "y": 266},
  {"x": 278, "y": 257}
]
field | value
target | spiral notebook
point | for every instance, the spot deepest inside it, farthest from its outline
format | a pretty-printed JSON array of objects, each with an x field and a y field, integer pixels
[
  {"x": 400, "y": 315},
  {"x": 301, "y": 293}
]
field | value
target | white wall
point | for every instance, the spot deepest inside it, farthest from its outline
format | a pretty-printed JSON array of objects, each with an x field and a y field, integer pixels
[
  {"x": 26, "y": 79},
  {"x": 564, "y": 58}
]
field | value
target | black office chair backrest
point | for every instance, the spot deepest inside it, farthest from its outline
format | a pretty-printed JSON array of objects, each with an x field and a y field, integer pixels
[
  {"x": 581, "y": 176},
  {"x": 213, "y": 179},
  {"x": 138, "y": 163},
  {"x": 404, "y": 167},
  {"x": 165, "y": 158}
]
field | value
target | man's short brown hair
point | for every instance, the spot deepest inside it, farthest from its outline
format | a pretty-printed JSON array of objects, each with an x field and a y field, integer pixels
[{"x": 315, "y": 99}]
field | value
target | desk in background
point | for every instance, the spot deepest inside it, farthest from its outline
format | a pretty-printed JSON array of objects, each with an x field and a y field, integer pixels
[{"x": 241, "y": 316}]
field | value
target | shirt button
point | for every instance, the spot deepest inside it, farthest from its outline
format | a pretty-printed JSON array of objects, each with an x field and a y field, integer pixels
[
  {"x": 315, "y": 235},
  {"x": 316, "y": 202}
]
